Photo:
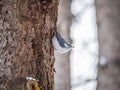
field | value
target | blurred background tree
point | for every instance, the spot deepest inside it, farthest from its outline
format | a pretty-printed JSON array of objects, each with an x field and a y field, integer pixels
[
  {"x": 84, "y": 63},
  {"x": 62, "y": 61},
  {"x": 108, "y": 21}
]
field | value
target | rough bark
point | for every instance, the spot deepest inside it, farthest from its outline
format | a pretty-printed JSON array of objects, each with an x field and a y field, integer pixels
[
  {"x": 108, "y": 12},
  {"x": 26, "y": 30},
  {"x": 62, "y": 64}
]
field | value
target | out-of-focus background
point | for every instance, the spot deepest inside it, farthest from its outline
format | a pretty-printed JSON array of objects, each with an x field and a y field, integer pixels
[
  {"x": 92, "y": 26},
  {"x": 84, "y": 57}
]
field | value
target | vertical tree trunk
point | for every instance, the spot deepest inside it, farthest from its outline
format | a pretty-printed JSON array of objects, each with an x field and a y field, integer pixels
[
  {"x": 26, "y": 30},
  {"x": 62, "y": 64},
  {"x": 108, "y": 12}
]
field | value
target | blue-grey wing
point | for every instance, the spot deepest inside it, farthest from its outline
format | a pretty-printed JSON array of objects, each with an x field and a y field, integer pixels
[{"x": 61, "y": 41}]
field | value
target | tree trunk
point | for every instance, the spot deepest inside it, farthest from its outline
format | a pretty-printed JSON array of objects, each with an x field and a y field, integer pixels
[
  {"x": 108, "y": 12},
  {"x": 62, "y": 64},
  {"x": 26, "y": 30}
]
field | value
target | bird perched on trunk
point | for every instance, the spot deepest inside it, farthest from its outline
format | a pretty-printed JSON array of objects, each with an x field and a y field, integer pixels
[{"x": 60, "y": 45}]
